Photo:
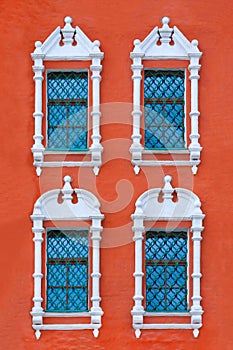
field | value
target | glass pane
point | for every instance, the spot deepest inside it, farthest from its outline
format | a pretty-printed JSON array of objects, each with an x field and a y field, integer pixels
[
  {"x": 67, "y": 270},
  {"x": 77, "y": 299},
  {"x": 67, "y": 104},
  {"x": 166, "y": 271},
  {"x": 56, "y": 275},
  {"x": 155, "y": 276},
  {"x": 176, "y": 300},
  {"x": 155, "y": 300},
  {"x": 56, "y": 299},
  {"x": 164, "y": 109}
]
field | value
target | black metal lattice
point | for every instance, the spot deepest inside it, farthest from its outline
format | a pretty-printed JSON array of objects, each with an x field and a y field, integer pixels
[
  {"x": 67, "y": 270},
  {"x": 164, "y": 109},
  {"x": 67, "y": 102},
  {"x": 166, "y": 271}
]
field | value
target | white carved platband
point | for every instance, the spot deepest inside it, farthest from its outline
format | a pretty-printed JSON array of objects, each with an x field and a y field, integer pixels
[
  {"x": 150, "y": 208},
  {"x": 181, "y": 49},
  {"x": 48, "y": 208},
  {"x": 52, "y": 50}
]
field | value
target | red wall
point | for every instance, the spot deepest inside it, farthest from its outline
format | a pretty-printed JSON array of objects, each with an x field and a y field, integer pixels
[{"x": 116, "y": 24}]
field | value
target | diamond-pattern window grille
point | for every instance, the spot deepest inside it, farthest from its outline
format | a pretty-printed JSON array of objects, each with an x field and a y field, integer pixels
[
  {"x": 67, "y": 270},
  {"x": 166, "y": 271},
  {"x": 67, "y": 102},
  {"x": 164, "y": 109}
]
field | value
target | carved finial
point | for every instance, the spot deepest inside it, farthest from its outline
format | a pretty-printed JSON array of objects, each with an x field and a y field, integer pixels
[
  {"x": 67, "y": 178},
  {"x": 38, "y": 170},
  {"x": 96, "y": 333},
  {"x": 165, "y": 32},
  {"x": 38, "y": 45},
  {"x": 137, "y": 42},
  {"x": 167, "y": 190},
  {"x": 37, "y": 334},
  {"x": 165, "y": 20},
  {"x": 96, "y": 43},
  {"x": 195, "y": 42},
  {"x": 167, "y": 178},
  {"x": 137, "y": 333},
  {"x": 68, "y": 31},
  {"x": 96, "y": 46},
  {"x": 137, "y": 48},
  {"x": 136, "y": 169},
  {"x": 67, "y": 189},
  {"x": 194, "y": 169},
  {"x": 96, "y": 170},
  {"x": 68, "y": 20},
  {"x": 196, "y": 332}
]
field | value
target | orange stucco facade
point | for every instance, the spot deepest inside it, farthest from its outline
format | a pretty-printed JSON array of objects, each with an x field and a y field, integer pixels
[{"x": 116, "y": 24}]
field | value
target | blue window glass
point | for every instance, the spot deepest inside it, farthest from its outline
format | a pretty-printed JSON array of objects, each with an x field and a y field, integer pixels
[
  {"x": 67, "y": 270},
  {"x": 164, "y": 109},
  {"x": 166, "y": 271},
  {"x": 67, "y": 102}
]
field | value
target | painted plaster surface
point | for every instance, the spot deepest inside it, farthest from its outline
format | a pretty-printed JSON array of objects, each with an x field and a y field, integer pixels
[{"x": 116, "y": 24}]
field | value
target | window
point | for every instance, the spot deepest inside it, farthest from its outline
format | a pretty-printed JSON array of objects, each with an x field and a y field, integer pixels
[
  {"x": 167, "y": 281},
  {"x": 67, "y": 265},
  {"x": 164, "y": 109},
  {"x": 164, "y": 59},
  {"x": 67, "y": 270},
  {"x": 67, "y": 56},
  {"x": 67, "y": 103},
  {"x": 166, "y": 271}
]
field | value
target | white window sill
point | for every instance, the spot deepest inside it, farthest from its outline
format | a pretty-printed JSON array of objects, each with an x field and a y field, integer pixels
[
  {"x": 48, "y": 152},
  {"x": 167, "y": 151},
  {"x": 168, "y": 314},
  {"x": 66, "y": 314}
]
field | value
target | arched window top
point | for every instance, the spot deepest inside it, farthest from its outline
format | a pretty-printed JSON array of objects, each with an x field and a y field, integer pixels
[
  {"x": 186, "y": 206},
  {"x": 165, "y": 43},
  {"x": 58, "y": 205},
  {"x": 154, "y": 205},
  {"x": 86, "y": 208}
]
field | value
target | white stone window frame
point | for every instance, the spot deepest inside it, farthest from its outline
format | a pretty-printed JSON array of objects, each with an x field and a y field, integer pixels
[
  {"x": 181, "y": 49},
  {"x": 149, "y": 208},
  {"x": 47, "y": 208},
  {"x": 52, "y": 50}
]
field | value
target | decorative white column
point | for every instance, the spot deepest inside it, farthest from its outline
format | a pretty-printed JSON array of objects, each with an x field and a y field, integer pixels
[
  {"x": 194, "y": 147},
  {"x": 196, "y": 309},
  {"x": 138, "y": 309},
  {"x": 96, "y": 311},
  {"x": 136, "y": 147},
  {"x": 37, "y": 311},
  {"x": 96, "y": 67},
  {"x": 38, "y": 68}
]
